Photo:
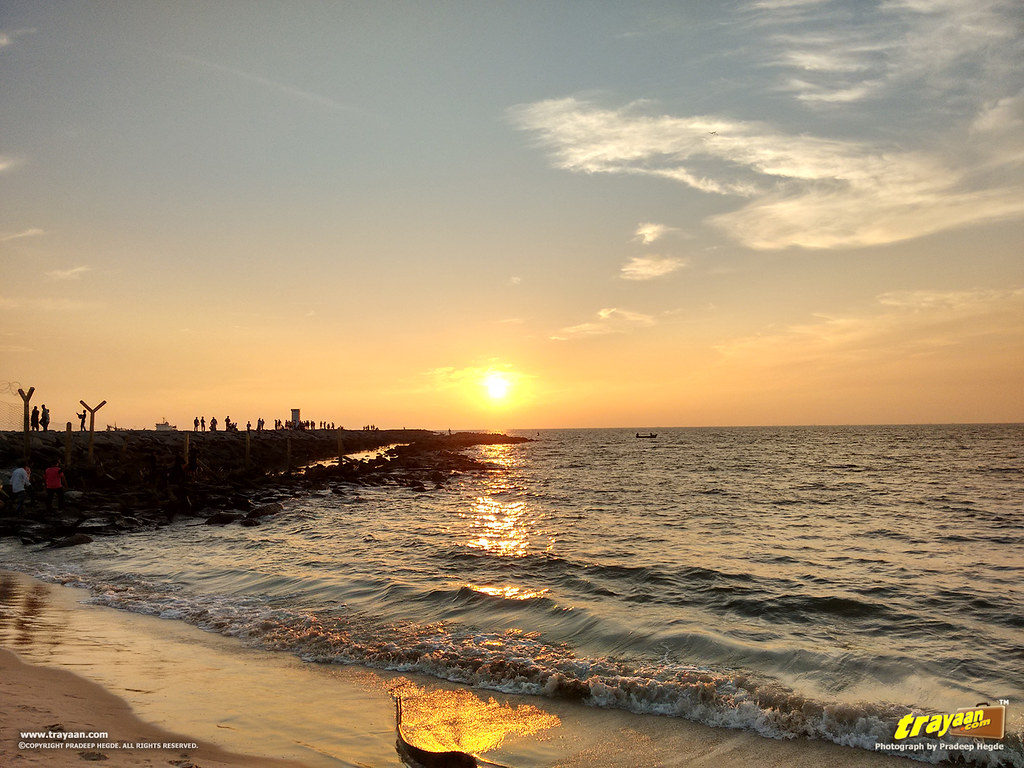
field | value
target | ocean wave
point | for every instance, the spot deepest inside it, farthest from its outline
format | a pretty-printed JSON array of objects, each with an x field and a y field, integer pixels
[{"x": 518, "y": 662}]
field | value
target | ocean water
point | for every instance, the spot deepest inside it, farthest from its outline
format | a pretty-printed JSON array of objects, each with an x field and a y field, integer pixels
[{"x": 813, "y": 582}]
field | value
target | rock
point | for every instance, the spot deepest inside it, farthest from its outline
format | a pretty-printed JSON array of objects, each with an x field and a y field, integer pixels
[
  {"x": 92, "y": 756},
  {"x": 266, "y": 509},
  {"x": 72, "y": 541},
  {"x": 222, "y": 518}
]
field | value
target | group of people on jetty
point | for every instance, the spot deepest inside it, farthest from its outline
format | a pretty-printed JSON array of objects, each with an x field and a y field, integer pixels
[
  {"x": 199, "y": 424},
  {"x": 39, "y": 420}
]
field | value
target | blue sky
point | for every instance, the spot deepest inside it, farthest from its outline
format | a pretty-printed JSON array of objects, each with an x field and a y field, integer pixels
[{"x": 646, "y": 213}]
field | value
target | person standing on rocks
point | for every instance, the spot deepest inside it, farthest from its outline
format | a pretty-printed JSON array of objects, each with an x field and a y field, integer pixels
[
  {"x": 35, "y": 418},
  {"x": 195, "y": 425},
  {"x": 81, "y": 420},
  {"x": 55, "y": 485},
  {"x": 21, "y": 480},
  {"x": 202, "y": 423},
  {"x": 44, "y": 418},
  {"x": 213, "y": 423}
]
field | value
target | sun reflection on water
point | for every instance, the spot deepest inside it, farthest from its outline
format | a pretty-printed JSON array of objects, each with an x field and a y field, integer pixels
[
  {"x": 500, "y": 528},
  {"x": 509, "y": 592},
  {"x": 502, "y": 455}
]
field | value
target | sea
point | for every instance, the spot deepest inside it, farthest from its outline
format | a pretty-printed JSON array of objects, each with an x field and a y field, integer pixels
[{"x": 794, "y": 582}]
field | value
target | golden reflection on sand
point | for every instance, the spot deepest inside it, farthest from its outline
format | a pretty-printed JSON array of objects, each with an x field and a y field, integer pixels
[{"x": 440, "y": 721}]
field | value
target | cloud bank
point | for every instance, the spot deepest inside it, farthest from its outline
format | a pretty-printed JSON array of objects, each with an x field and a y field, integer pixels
[
  {"x": 950, "y": 154},
  {"x": 803, "y": 190}
]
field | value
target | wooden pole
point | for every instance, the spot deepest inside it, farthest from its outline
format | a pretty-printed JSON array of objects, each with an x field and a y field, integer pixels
[
  {"x": 248, "y": 447},
  {"x": 26, "y": 398},
  {"x": 67, "y": 446},
  {"x": 92, "y": 425},
  {"x": 288, "y": 454},
  {"x": 341, "y": 446},
  {"x": 185, "y": 454}
]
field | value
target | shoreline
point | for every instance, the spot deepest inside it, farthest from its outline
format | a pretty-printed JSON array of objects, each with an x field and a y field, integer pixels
[{"x": 231, "y": 701}]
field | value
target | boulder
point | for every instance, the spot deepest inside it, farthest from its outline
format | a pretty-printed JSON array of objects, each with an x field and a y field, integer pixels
[
  {"x": 72, "y": 541},
  {"x": 223, "y": 518},
  {"x": 266, "y": 509}
]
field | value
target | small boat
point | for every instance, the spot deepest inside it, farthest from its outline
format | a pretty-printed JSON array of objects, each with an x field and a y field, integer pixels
[
  {"x": 163, "y": 426},
  {"x": 648, "y": 436}
]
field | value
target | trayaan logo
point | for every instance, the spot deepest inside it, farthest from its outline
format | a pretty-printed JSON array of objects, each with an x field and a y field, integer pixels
[{"x": 980, "y": 722}]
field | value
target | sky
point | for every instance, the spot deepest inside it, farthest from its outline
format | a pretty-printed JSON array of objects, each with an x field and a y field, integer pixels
[{"x": 496, "y": 215}]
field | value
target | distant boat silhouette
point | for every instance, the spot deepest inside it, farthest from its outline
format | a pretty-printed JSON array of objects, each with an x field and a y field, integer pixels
[{"x": 648, "y": 436}]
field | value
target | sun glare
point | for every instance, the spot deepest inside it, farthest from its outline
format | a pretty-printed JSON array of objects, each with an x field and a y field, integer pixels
[{"x": 497, "y": 386}]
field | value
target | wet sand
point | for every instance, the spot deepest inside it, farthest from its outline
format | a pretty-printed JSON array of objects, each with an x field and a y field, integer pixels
[
  {"x": 142, "y": 679},
  {"x": 72, "y": 710}
]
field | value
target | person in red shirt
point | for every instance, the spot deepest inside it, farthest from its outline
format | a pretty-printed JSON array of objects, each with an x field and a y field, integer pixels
[{"x": 55, "y": 485}]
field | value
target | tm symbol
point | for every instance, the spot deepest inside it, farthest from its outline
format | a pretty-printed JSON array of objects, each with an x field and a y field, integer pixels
[{"x": 1004, "y": 702}]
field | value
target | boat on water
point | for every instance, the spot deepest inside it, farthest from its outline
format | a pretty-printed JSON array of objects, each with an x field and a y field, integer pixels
[
  {"x": 163, "y": 426},
  {"x": 648, "y": 436}
]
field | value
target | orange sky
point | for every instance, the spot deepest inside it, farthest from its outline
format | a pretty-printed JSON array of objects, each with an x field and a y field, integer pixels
[{"x": 742, "y": 214}]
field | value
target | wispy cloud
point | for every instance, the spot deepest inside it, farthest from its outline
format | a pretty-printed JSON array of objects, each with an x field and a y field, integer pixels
[
  {"x": 68, "y": 274},
  {"x": 8, "y": 37},
  {"x": 806, "y": 191},
  {"x": 585, "y": 138},
  {"x": 650, "y": 267},
  {"x": 609, "y": 320},
  {"x": 8, "y": 163},
  {"x": 952, "y": 65},
  {"x": 903, "y": 324},
  {"x": 776, "y": 5},
  {"x": 281, "y": 88},
  {"x": 829, "y": 54},
  {"x": 648, "y": 232},
  {"x": 19, "y": 235},
  {"x": 1000, "y": 124},
  {"x": 45, "y": 304}
]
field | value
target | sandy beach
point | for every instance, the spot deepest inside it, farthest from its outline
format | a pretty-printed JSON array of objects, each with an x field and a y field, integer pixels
[
  {"x": 142, "y": 679},
  {"x": 72, "y": 711}
]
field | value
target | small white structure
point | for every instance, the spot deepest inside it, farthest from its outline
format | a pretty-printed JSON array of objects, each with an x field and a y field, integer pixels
[
  {"x": 295, "y": 418},
  {"x": 163, "y": 426}
]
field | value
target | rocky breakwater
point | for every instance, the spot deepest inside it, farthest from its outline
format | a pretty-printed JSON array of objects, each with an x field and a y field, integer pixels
[{"x": 140, "y": 480}]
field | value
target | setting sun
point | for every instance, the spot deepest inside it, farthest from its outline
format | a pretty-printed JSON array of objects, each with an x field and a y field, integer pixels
[{"x": 497, "y": 386}]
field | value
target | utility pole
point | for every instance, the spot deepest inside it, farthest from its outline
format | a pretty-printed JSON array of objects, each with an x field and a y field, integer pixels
[
  {"x": 26, "y": 398},
  {"x": 92, "y": 423}
]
